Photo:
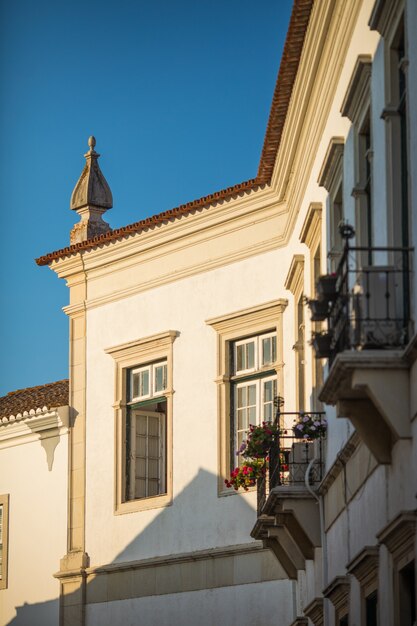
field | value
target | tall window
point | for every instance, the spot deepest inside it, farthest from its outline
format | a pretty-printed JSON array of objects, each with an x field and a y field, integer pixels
[
  {"x": 146, "y": 431},
  {"x": 4, "y": 520},
  {"x": 143, "y": 417},
  {"x": 363, "y": 192},
  {"x": 254, "y": 383},
  {"x": 249, "y": 375}
]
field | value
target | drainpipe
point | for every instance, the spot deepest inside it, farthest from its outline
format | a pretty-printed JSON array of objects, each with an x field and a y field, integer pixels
[{"x": 323, "y": 537}]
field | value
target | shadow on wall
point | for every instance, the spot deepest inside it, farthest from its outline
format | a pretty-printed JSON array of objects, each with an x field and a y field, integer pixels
[{"x": 157, "y": 582}]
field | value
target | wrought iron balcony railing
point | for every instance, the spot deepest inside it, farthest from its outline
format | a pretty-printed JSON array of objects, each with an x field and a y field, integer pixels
[
  {"x": 366, "y": 301},
  {"x": 289, "y": 458}
]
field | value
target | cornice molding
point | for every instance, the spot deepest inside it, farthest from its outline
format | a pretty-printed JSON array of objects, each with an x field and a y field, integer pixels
[
  {"x": 364, "y": 566},
  {"x": 156, "y": 342},
  {"x": 332, "y": 164},
  {"x": 399, "y": 534},
  {"x": 255, "y": 314},
  {"x": 295, "y": 274},
  {"x": 314, "y": 611},
  {"x": 32, "y": 426},
  {"x": 385, "y": 15},
  {"x": 359, "y": 90},
  {"x": 338, "y": 593},
  {"x": 311, "y": 229},
  {"x": 327, "y": 42}
]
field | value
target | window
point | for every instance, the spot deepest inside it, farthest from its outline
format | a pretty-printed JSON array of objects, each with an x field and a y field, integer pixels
[
  {"x": 357, "y": 108},
  {"x": 331, "y": 178},
  {"x": 311, "y": 236},
  {"x": 249, "y": 375},
  {"x": 4, "y": 524},
  {"x": 295, "y": 283},
  {"x": 145, "y": 432},
  {"x": 254, "y": 384},
  {"x": 143, "y": 416}
]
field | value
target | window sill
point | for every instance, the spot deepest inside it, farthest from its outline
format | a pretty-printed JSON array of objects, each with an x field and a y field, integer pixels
[{"x": 143, "y": 504}]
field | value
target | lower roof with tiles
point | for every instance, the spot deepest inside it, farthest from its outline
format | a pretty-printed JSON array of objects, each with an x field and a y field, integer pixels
[{"x": 51, "y": 395}]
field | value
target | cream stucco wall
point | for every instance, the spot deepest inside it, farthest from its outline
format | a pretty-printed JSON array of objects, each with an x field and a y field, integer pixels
[{"x": 34, "y": 474}]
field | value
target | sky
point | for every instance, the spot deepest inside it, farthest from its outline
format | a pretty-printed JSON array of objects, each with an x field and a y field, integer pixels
[{"x": 177, "y": 94}]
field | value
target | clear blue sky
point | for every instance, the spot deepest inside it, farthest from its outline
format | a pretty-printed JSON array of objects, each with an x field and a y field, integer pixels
[{"x": 177, "y": 94}]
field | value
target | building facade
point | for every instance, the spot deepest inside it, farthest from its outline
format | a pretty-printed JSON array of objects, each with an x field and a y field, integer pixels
[{"x": 289, "y": 297}]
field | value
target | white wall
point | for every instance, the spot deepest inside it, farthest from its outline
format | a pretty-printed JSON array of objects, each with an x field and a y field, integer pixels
[
  {"x": 37, "y": 531},
  {"x": 246, "y": 605}
]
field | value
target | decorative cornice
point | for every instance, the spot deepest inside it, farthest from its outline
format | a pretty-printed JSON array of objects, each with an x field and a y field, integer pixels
[
  {"x": 399, "y": 535},
  {"x": 295, "y": 273},
  {"x": 358, "y": 93},
  {"x": 364, "y": 566},
  {"x": 338, "y": 593},
  {"x": 231, "y": 320},
  {"x": 314, "y": 611},
  {"x": 384, "y": 14},
  {"x": 332, "y": 163},
  {"x": 33, "y": 425},
  {"x": 312, "y": 224}
]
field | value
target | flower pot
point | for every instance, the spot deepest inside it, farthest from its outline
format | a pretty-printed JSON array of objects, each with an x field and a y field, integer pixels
[
  {"x": 319, "y": 310},
  {"x": 326, "y": 287},
  {"x": 322, "y": 344}
]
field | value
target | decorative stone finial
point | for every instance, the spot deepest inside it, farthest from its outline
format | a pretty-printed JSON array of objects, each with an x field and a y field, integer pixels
[{"x": 90, "y": 199}]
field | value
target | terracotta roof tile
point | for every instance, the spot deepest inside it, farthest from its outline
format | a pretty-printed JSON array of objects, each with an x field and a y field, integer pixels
[
  {"x": 50, "y": 395},
  {"x": 286, "y": 77}
]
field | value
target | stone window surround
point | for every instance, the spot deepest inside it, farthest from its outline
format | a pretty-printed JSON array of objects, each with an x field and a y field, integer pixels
[
  {"x": 4, "y": 501},
  {"x": 295, "y": 283},
  {"x": 338, "y": 592},
  {"x": 311, "y": 236},
  {"x": 231, "y": 327},
  {"x": 126, "y": 356},
  {"x": 399, "y": 537},
  {"x": 364, "y": 567}
]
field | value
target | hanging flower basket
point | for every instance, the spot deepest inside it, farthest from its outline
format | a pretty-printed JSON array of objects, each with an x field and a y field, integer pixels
[
  {"x": 326, "y": 287},
  {"x": 259, "y": 441},
  {"x": 322, "y": 344},
  {"x": 309, "y": 427},
  {"x": 247, "y": 474},
  {"x": 319, "y": 310}
]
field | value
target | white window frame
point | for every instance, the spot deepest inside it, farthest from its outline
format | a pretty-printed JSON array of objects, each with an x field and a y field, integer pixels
[{"x": 151, "y": 368}]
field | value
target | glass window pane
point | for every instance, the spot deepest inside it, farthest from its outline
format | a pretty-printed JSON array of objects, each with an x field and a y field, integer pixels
[
  {"x": 251, "y": 395},
  {"x": 140, "y": 469},
  {"x": 144, "y": 383},
  {"x": 134, "y": 393},
  {"x": 153, "y": 426},
  {"x": 240, "y": 358},
  {"x": 269, "y": 389},
  {"x": 140, "y": 488},
  {"x": 160, "y": 377},
  {"x": 241, "y": 397},
  {"x": 252, "y": 415},
  {"x": 153, "y": 487},
  {"x": 242, "y": 419},
  {"x": 268, "y": 413},
  {"x": 250, "y": 355},
  {"x": 269, "y": 350}
]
